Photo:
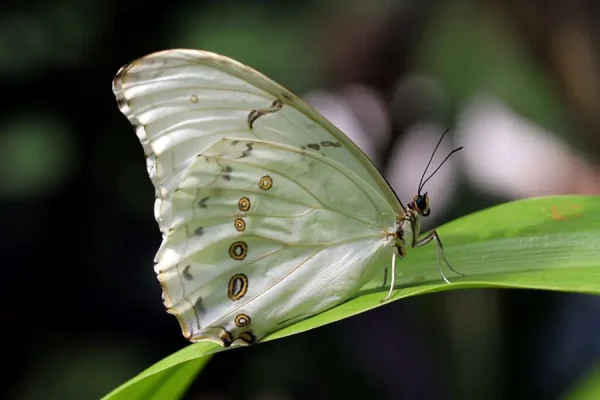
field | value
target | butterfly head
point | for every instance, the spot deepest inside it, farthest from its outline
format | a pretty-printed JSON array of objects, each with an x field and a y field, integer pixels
[
  {"x": 421, "y": 201},
  {"x": 421, "y": 204}
]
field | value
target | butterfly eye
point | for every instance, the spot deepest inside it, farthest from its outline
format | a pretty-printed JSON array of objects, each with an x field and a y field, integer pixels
[{"x": 422, "y": 203}]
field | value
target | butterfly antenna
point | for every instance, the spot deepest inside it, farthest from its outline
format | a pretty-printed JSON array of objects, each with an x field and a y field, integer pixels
[
  {"x": 421, "y": 183},
  {"x": 440, "y": 166}
]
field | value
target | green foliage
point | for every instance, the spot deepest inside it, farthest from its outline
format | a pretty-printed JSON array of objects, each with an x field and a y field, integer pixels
[
  {"x": 548, "y": 243},
  {"x": 37, "y": 153},
  {"x": 588, "y": 388}
]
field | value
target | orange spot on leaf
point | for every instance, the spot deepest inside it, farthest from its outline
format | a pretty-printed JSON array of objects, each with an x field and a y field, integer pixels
[{"x": 563, "y": 213}]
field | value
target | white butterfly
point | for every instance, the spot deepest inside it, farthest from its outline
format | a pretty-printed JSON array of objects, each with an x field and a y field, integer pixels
[{"x": 269, "y": 214}]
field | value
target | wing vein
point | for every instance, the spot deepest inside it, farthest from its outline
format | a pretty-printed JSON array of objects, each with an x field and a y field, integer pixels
[
  {"x": 151, "y": 82},
  {"x": 313, "y": 196}
]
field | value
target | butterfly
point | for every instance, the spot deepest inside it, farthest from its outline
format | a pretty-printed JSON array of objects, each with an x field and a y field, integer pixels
[{"x": 269, "y": 214}]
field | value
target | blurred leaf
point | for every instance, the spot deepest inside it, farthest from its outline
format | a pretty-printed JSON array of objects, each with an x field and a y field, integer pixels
[
  {"x": 267, "y": 38},
  {"x": 167, "y": 379},
  {"x": 550, "y": 243},
  {"x": 471, "y": 51},
  {"x": 36, "y": 156},
  {"x": 588, "y": 388},
  {"x": 67, "y": 367},
  {"x": 53, "y": 33}
]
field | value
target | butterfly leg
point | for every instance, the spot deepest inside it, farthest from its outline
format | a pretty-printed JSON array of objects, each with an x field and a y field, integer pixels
[
  {"x": 440, "y": 252},
  {"x": 385, "y": 271},
  {"x": 393, "y": 280}
]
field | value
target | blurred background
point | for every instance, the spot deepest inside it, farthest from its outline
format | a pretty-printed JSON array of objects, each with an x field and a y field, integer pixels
[{"x": 517, "y": 83}]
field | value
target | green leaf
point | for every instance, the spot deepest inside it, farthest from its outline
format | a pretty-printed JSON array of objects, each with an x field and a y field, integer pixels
[
  {"x": 588, "y": 387},
  {"x": 549, "y": 243},
  {"x": 168, "y": 378}
]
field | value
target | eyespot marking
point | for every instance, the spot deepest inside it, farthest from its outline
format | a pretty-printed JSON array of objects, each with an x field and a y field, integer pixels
[
  {"x": 186, "y": 273},
  {"x": 225, "y": 336},
  {"x": 242, "y": 320},
  {"x": 244, "y": 204},
  {"x": 238, "y": 286},
  {"x": 199, "y": 231},
  {"x": 239, "y": 224},
  {"x": 238, "y": 250},
  {"x": 247, "y": 337},
  {"x": 194, "y": 98},
  {"x": 265, "y": 182},
  {"x": 202, "y": 202}
]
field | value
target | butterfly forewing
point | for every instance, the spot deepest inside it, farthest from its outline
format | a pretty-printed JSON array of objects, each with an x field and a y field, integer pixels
[{"x": 180, "y": 101}]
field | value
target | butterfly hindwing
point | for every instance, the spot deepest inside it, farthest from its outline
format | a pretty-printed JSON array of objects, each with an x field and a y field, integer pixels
[{"x": 261, "y": 232}]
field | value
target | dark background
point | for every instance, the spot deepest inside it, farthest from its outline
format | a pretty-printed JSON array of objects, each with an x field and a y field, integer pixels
[{"x": 517, "y": 82}]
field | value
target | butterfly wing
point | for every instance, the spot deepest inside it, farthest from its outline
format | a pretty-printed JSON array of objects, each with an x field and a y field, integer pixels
[
  {"x": 180, "y": 101},
  {"x": 263, "y": 234}
]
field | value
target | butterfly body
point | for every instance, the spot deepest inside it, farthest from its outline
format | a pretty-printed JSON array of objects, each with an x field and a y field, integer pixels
[{"x": 269, "y": 214}]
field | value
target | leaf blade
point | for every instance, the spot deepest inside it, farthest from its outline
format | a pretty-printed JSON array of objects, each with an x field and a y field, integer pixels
[{"x": 545, "y": 243}]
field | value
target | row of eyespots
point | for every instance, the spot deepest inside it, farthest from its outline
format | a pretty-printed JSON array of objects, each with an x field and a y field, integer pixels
[
  {"x": 238, "y": 284},
  {"x": 237, "y": 288},
  {"x": 238, "y": 250}
]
